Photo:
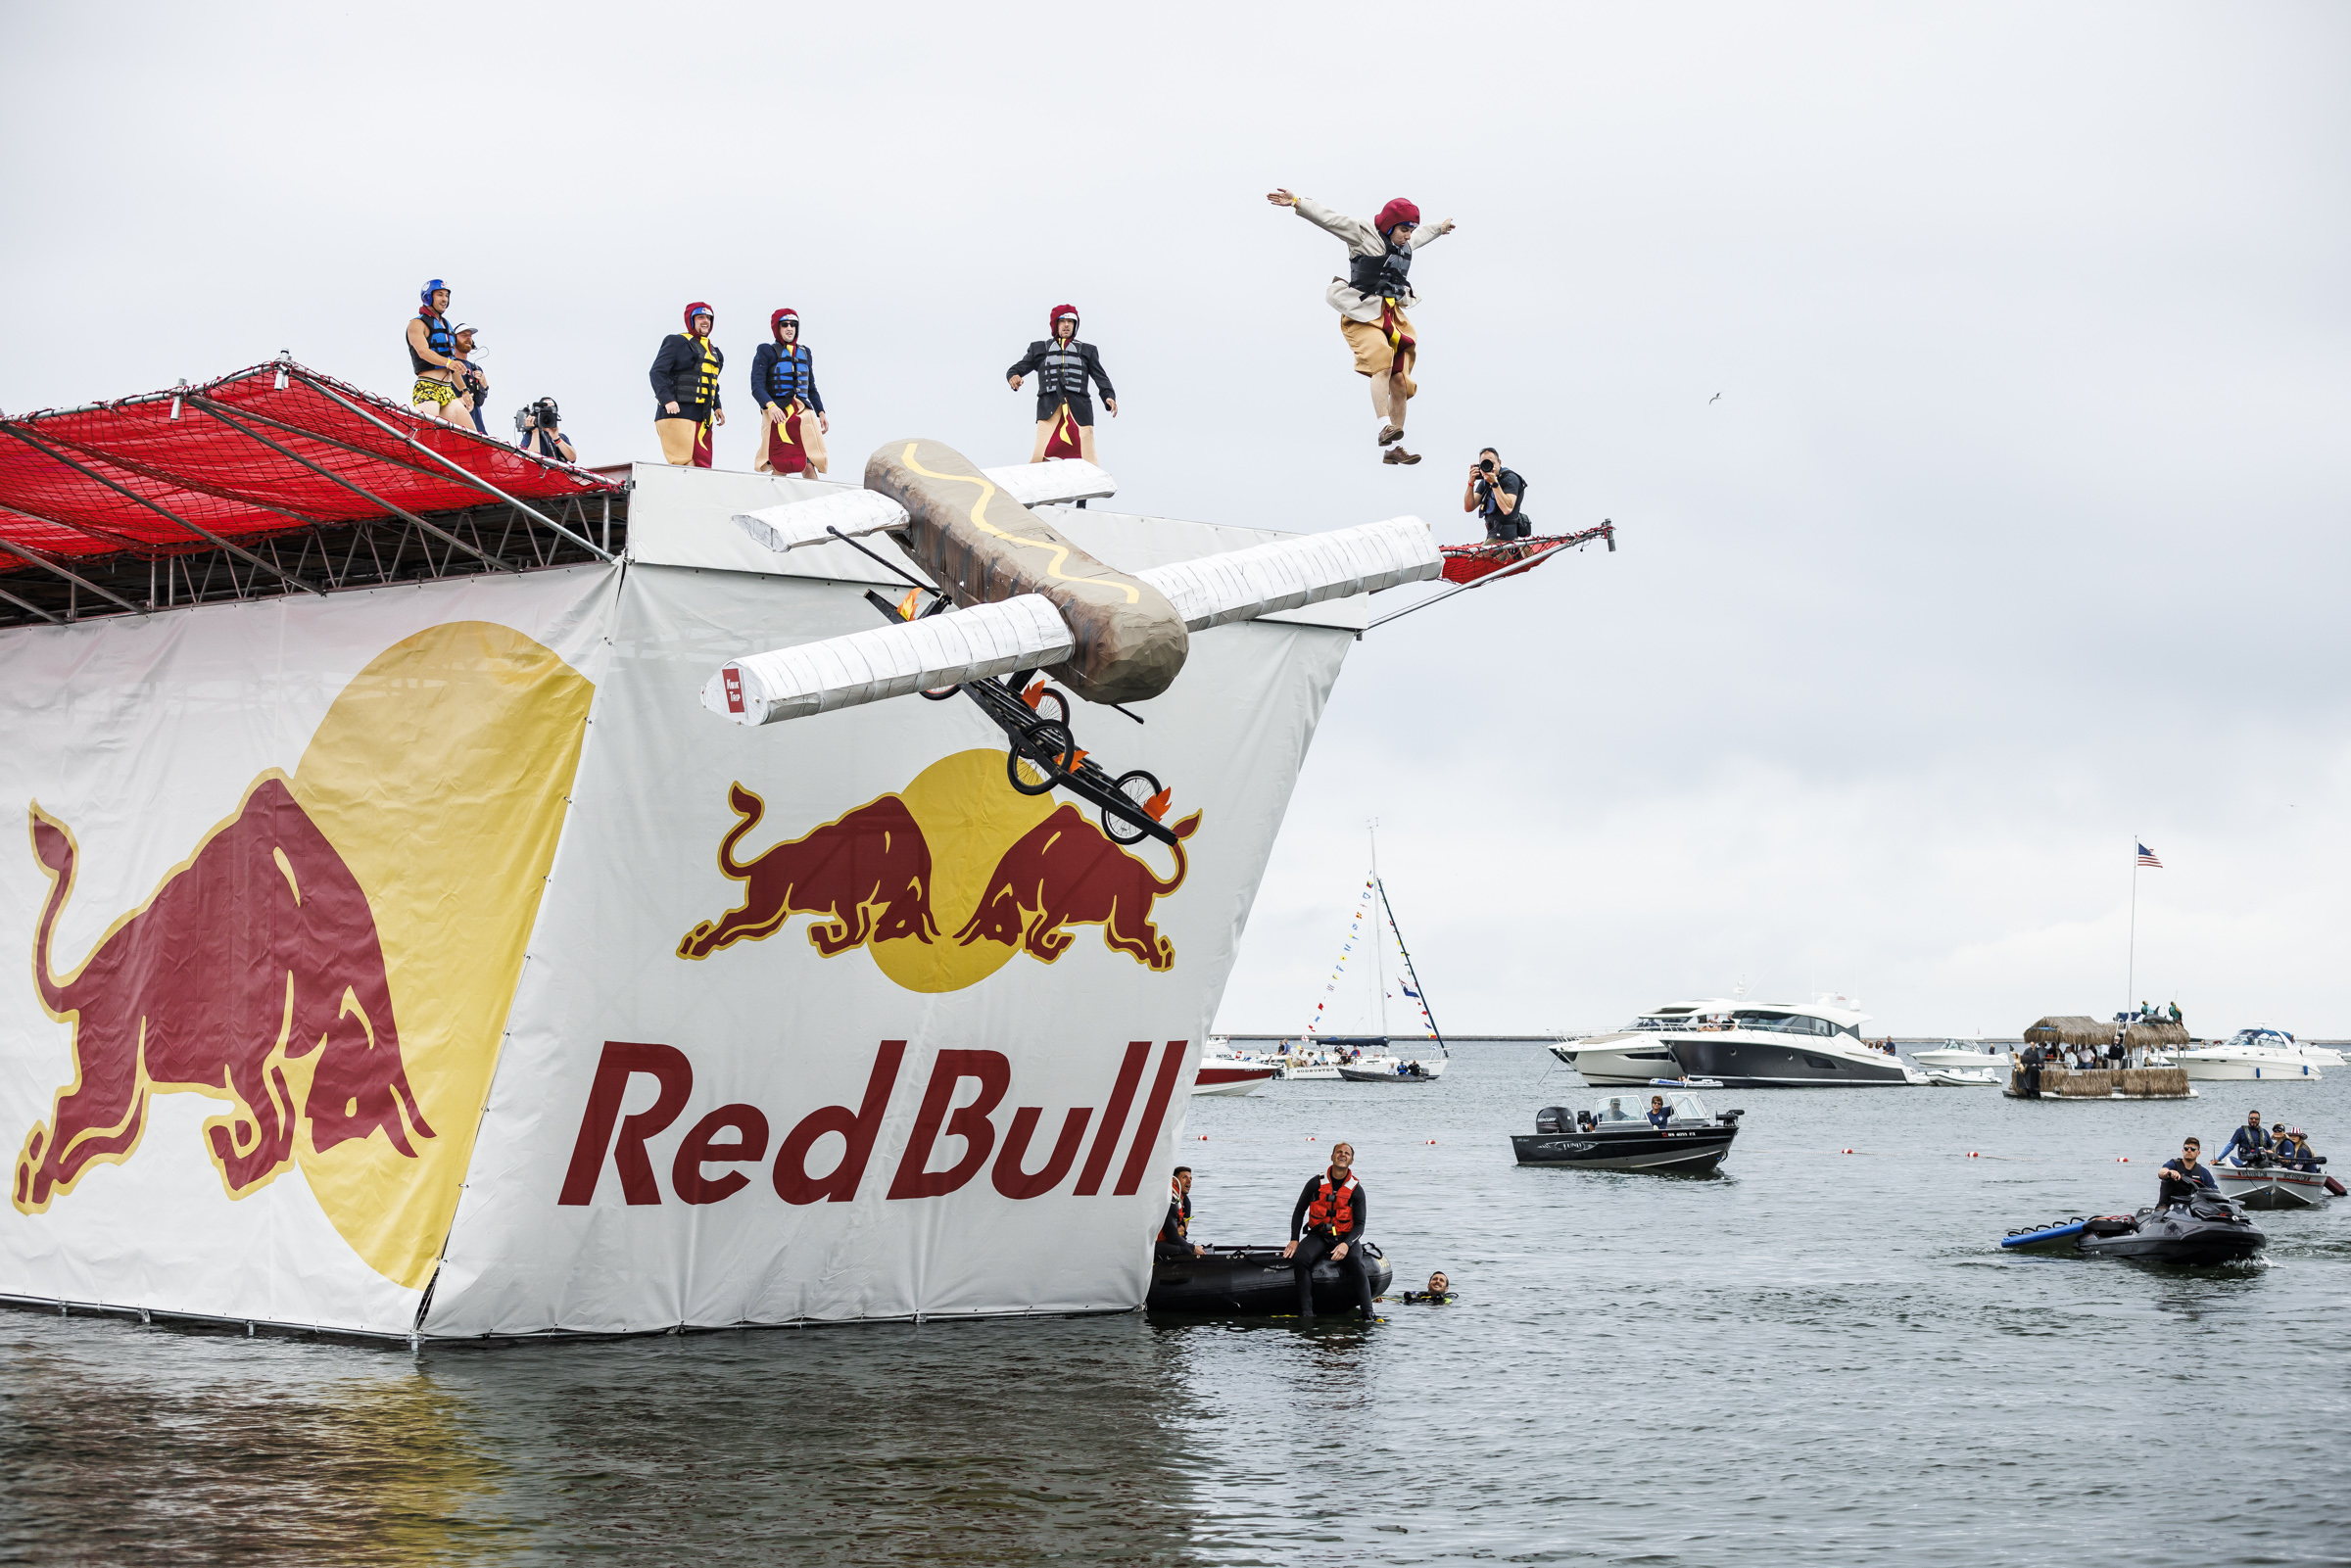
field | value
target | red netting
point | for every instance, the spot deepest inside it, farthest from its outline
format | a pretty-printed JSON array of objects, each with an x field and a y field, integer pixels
[
  {"x": 1466, "y": 563},
  {"x": 204, "y": 455}
]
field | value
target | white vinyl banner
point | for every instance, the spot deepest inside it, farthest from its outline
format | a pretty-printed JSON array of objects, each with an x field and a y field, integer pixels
[
  {"x": 430, "y": 959},
  {"x": 279, "y": 866},
  {"x": 827, "y": 1020}
]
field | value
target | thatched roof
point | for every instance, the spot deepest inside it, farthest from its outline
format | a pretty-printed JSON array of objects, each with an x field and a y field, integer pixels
[{"x": 2073, "y": 1028}]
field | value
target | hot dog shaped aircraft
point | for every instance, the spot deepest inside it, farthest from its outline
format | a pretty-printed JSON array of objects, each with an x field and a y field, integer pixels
[{"x": 1027, "y": 599}]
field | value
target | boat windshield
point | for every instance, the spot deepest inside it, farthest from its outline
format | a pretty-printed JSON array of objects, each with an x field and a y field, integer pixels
[
  {"x": 1681, "y": 1018},
  {"x": 1786, "y": 1023},
  {"x": 2276, "y": 1039},
  {"x": 1634, "y": 1107}
]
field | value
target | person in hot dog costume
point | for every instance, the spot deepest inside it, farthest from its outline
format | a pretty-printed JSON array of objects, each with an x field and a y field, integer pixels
[
  {"x": 1064, "y": 366},
  {"x": 685, "y": 377},
  {"x": 1371, "y": 301},
  {"x": 793, "y": 422}
]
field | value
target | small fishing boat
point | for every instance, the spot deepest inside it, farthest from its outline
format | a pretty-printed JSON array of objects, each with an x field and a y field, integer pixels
[
  {"x": 2274, "y": 1186},
  {"x": 1616, "y": 1135},
  {"x": 1401, "y": 1073},
  {"x": 2193, "y": 1232},
  {"x": 1963, "y": 1078},
  {"x": 1255, "y": 1282}
]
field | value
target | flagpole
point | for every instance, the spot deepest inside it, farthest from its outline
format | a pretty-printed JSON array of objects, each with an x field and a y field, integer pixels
[{"x": 2131, "y": 973}]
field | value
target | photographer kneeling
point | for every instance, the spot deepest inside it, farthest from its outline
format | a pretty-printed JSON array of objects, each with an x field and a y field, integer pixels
[
  {"x": 539, "y": 429},
  {"x": 1494, "y": 493}
]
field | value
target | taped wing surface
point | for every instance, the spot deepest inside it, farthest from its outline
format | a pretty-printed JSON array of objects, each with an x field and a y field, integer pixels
[
  {"x": 1023, "y": 633},
  {"x": 1289, "y": 574}
]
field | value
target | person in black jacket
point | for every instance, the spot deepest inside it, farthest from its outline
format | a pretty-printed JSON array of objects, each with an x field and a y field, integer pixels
[
  {"x": 783, "y": 382},
  {"x": 1495, "y": 493},
  {"x": 1065, "y": 411},
  {"x": 1330, "y": 1222},
  {"x": 1176, "y": 1231},
  {"x": 684, "y": 375}
]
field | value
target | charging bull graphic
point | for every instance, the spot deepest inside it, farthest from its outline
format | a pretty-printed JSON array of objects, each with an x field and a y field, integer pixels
[
  {"x": 958, "y": 851},
  {"x": 254, "y": 975}
]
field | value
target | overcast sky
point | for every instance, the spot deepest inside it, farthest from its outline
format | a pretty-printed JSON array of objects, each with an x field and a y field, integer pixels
[{"x": 2018, "y": 527}]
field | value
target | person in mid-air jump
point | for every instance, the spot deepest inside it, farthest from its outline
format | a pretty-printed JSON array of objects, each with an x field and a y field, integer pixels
[
  {"x": 1065, "y": 411},
  {"x": 1371, "y": 301}
]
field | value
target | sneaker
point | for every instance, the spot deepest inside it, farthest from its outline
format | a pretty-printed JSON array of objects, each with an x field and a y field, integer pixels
[
  {"x": 1389, "y": 435},
  {"x": 1397, "y": 454}
]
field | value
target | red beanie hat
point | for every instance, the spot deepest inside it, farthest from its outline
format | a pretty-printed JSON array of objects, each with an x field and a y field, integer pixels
[
  {"x": 1397, "y": 211},
  {"x": 697, "y": 308},
  {"x": 1053, "y": 321},
  {"x": 775, "y": 322}
]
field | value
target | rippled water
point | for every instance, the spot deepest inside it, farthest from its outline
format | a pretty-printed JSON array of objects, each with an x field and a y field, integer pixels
[{"x": 1815, "y": 1357}]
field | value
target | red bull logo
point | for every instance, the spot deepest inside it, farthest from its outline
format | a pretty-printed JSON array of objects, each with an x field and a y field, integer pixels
[
  {"x": 944, "y": 881},
  {"x": 945, "y": 1151},
  {"x": 254, "y": 975}
]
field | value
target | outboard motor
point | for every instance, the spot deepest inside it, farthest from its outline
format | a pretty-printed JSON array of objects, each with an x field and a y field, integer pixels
[{"x": 1554, "y": 1118}]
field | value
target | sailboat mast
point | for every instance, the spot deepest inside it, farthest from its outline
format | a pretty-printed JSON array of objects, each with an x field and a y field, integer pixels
[{"x": 1380, "y": 937}]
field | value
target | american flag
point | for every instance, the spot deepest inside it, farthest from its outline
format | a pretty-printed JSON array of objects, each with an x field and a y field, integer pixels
[{"x": 2146, "y": 857}]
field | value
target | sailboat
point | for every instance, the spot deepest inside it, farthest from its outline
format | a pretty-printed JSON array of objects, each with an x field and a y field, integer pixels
[{"x": 1382, "y": 1057}]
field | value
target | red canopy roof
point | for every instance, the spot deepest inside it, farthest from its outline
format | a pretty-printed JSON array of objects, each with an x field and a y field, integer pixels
[{"x": 270, "y": 449}]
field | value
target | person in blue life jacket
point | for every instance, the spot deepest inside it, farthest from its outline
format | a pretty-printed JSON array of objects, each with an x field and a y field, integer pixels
[
  {"x": 439, "y": 392},
  {"x": 1659, "y": 1117},
  {"x": 2248, "y": 1144},
  {"x": 1328, "y": 1222},
  {"x": 2290, "y": 1148},
  {"x": 1176, "y": 1231},
  {"x": 2178, "y": 1180},
  {"x": 1065, "y": 370},
  {"x": 784, "y": 381}
]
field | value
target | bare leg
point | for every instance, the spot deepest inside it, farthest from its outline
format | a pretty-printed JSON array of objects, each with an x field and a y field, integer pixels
[
  {"x": 1044, "y": 433},
  {"x": 1085, "y": 442},
  {"x": 1397, "y": 396},
  {"x": 812, "y": 441}
]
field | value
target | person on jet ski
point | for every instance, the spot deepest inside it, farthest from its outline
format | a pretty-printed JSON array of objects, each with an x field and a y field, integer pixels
[
  {"x": 1176, "y": 1231},
  {"x": 2178, "y": 1180},
  {"x": 2248, "y": 1144}
]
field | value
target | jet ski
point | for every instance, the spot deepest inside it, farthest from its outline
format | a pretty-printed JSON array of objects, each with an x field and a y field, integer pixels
[
  {"x": 2204, "y": 1229},
  {"x": 1255, "y": 1282}
]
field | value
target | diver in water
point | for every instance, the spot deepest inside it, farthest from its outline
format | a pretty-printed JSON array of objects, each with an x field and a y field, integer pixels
[
  {"x": 1330, "y": 1222},
  {"x": 1438, "y": 1294},
  {"x": 1064, "y": 367},
  {"x": 1371, "y": 301}
]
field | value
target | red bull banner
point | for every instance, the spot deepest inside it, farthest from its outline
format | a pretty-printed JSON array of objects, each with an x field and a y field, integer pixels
[{"x": 428, "y": 962}]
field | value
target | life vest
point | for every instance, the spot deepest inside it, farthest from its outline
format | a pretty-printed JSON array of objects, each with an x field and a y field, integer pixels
[
  {"x": 1381, "y": 277},
  {"x": 791, "y": 373},
  {"x": 1063, "y": 374},
  {"x": 705, "y": 377},
  {"x": 1333, "y": 1208},
  {"x": 437, "y": 337}
]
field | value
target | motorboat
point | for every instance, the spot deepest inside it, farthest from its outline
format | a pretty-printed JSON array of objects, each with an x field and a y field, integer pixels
[
  {"x": 2207, "y": 1228},
  {"x": 1962, "y": 1057},
  {"x": 1617, "y": 1134},
  {"x": 1369, "y": 1057},
  {"x": 1401, "y": 1073},
  {"x": 1744, "y": 1045},
  {"x": 1255, "y": 1282},
  {"x": 2268, "y": 1186},
  {"x": 1964, "y": 1078},
  {"x": 2261, "y": 1051},
  {"x": 1227, "y": 1073}
]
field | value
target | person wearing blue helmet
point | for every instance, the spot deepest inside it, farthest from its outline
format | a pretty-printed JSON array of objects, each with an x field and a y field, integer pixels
[{"x": 439, "y": 390}]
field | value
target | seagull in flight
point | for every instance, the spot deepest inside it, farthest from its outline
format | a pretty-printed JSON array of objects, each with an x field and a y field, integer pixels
[{"x": 1717, "y": 398}]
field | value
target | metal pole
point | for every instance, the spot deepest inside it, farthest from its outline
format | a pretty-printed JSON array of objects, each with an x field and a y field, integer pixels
[
  {"x": 40, "y": 559},
  {"x": 1380, "y": 941},
  {"x": 1527, "y": 564},
  {"x": 169, "y": 517},
  {"x": 1415, "y": 974},
  {"x": 356, "y": 488},
  {"x": 27, "y": 604},
  {"x": 2131, "y": 973},
  {"x": 466, "y": 474}
]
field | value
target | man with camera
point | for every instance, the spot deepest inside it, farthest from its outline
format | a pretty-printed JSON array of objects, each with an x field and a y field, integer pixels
[
  {"x": 1494, "y": 493},
  {"x": 539, "y": 429}
]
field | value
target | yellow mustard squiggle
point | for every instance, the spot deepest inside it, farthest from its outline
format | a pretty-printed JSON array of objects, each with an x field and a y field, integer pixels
[{"x": 987, "y": 491}]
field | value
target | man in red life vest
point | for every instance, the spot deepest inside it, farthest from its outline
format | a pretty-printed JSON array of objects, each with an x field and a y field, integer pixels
[{"x": 1330, "y": 1222}]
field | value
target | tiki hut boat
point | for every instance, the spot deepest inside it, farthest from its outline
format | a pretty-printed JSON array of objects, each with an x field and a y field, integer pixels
[{"x": 2118, "y": 1083}]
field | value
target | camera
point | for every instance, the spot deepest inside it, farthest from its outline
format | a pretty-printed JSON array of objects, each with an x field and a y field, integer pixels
[
  {"x": 540, "y": 415},
  {"x": 1485, "y": 465}
]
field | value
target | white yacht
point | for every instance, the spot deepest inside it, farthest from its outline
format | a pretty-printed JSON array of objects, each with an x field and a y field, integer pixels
[
  {"x": 2259, "y": 1051},
  {"x": 1743, "y": 1045},
  {"x": 1974, "y": 1056}
]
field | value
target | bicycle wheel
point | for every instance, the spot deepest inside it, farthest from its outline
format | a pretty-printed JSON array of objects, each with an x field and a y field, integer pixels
[
  {"x": 1041, "y": 746},
  {"x": 1052, "y": 705},
  {"x": 1137, "y": 786}
]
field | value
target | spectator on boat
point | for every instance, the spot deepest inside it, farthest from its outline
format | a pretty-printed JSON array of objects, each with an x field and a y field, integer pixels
[
  {"x": 685, "y": 398},
  {"x": 1328, "y": 1222},
  {"x": 2030, "y": 1068},
  {"x": 1494, "y": 493},
  {"x": 1176, "y": 1231},
  {"x": 1659, "y": 1115},
  {"x": 1066, "y": 370},
  {"x": 2292, "y": 1150},
  {"x": 2177, "y": 1179},
  {"x": 784, "y": 381},
  {"x": 2248, "y": 1144},
  {"x": 433, "y": 355}
]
